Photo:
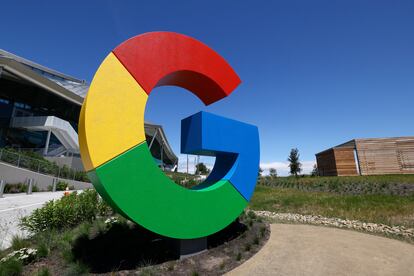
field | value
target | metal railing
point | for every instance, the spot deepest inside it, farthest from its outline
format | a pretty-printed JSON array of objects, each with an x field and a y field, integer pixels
[
  {"x": 21, "y": 160},
  {"x": 52, "y": 150}
]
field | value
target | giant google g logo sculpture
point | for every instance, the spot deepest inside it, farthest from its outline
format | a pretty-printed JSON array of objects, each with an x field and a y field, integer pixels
[{"x": 115, "y": 153}]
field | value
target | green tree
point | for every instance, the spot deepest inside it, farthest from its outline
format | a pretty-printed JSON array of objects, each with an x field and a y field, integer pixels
[
  {"x": 260, "y": 172},
  {"x": 201, "y": 168},
  {"x": 294, "y": 163},
  {"x": 315, "y": 171},
  {"x": 272, "y": 172}
]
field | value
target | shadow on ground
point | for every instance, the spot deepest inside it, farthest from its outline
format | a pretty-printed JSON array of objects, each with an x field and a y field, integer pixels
[{"x": 125, "y": 247}]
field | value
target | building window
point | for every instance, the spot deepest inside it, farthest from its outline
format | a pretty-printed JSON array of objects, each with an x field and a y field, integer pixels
[{"x": 4, "y": 101}]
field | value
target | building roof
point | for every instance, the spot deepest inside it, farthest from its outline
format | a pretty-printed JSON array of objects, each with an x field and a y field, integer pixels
[
  {"x": 68, "y": 87},
  {"x": 76, "y": 86},
  {"x": 352, "y": 143}
]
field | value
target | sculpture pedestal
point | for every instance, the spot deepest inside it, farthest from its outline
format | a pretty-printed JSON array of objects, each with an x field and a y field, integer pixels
[{"x": 189, "y": 247}]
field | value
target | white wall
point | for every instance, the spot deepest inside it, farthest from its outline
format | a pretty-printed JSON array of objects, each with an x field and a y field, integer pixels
[{"x": 11, "y": 174}]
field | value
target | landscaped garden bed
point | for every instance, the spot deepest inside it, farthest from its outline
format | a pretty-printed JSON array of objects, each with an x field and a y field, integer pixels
[{"x": 79, "y": 234}]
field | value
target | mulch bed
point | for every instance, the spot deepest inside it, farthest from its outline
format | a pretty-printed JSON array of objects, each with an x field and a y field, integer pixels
[{"x": 133, "y": 250}]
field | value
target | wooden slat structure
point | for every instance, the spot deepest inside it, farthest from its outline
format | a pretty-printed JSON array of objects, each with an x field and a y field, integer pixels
[{"x": 373, "y": 156}]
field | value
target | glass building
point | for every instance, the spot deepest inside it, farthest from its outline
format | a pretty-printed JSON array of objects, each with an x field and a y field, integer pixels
[{"x": 40, "y": 107}]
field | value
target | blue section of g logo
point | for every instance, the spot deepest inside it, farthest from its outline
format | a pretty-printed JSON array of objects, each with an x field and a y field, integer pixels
[{"x": 234, "y": 144}]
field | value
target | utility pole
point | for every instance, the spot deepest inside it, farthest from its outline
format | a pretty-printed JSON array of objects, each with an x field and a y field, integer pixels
[
  {"x": 195, "y": 164},
  {"x": 187, "y": 163}
]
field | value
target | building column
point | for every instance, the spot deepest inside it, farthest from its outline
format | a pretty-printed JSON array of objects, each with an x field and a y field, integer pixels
[
  {"x": 46, "y": 149},
  {"x": 162, "y": 155}
]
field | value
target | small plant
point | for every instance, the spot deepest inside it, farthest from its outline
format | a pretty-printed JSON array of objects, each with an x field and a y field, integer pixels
[
  {"x": 195, "y": 273},
  {"x": 99, "y": 227},
  {"x": 15, "y": 188},
  {"x": 61, "y": 186},
  {"x": 42, "y": 250},
  {"x": 18, "y": 242},
  {"x": 170, "y": 266},
  {"x": 112, "y": 220},
  {"x": 251, "y": 214},
  {"x": 256, "y": 240},
  {"x": 66, "y": 251},
  {"x": 146, "y": 272},
  {"x": 44, "y": 271},
  {"x": 77, "y": 269},
  {"x": 12, "y": 267},
  {"x": 238, "y": 256},
  {"x": 25, "y": 255},
  {"x": 247, "y": 247},
  {"x": 222, "y": 265},
  {"x": 262, "y": 231}
]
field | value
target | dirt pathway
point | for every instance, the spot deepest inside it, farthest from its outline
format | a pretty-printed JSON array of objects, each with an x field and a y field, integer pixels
[{"x": 312, "y": 250}]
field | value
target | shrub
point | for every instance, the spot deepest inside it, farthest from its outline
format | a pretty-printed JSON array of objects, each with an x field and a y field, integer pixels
[
  {"x": 46, "y": 242},
  {"x": 44, "y": 271},
  {"x": 61, "y": 186},
  {"x": 15, "y": 188},
  {"x": 42, "y": 250},
  {"x": 25, "y": 255},
  {"x": 18, "y": 242},
  {"x": 66, "y": 212},
  {"x": 11, "y": 267},
  {"x": 251, "y": 214},
  {"x": 77, "y": 269},
  {"x": 262, "y": 231}
]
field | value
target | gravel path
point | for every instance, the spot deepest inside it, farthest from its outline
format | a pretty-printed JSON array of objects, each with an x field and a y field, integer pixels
[
  {"x": 310, "y": 250},
  {"x": 400, "y": 231}
]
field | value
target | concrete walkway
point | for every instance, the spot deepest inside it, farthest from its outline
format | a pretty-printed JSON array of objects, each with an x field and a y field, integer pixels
[
  {"x": 312, "y": 250},
  {"x": 15, "y": 206}
]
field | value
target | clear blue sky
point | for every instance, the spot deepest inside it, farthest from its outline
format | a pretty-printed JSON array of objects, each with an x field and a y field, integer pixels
[{"x": 315, "y": 73}]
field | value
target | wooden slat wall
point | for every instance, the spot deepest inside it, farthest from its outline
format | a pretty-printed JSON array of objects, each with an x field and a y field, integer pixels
[
  {"x": 345, "y": 161},
  {"x": 326, "y": 163},
  {"x": 386, "y": 156}
]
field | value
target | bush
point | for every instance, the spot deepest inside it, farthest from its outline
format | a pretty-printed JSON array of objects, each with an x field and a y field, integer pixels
[
  {"x": 15, "y": 188},
  {"x": 77, "y": 269},
  {"x": 25, "y": 255},
  {"x": 44, "y": 271},
  {"x": 11, "y": 267},
  {"x": 18, "y": 243},
  {"x": 61, "y": 186},
  {"x": 66, "y": 212}
]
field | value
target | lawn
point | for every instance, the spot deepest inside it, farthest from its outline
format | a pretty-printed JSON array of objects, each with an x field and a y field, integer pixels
[
  {"x": 353, "y": 185},
  {"x": 377, "y": 208}
]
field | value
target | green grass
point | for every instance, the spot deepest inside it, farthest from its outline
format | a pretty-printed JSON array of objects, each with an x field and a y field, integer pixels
[
  {"x": 11, "y": 267},
  {"x": 386, "y": 209},
  {"x": 352, "y": 185},
  {"x": 390, "y": 178},
  {"x": 18, "y": 242}
]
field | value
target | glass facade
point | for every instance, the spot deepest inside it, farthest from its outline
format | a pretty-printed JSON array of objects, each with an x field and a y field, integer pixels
[{"x": 21, "y": 99}]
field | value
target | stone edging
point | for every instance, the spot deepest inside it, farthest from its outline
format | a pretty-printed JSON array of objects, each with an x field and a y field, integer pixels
[{"x": 400, "y": 231}]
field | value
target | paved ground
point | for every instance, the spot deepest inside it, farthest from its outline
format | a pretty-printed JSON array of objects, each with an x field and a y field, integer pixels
[
  {"x": 15, "y": 206},
  {"x": 312, "y": 250}
]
